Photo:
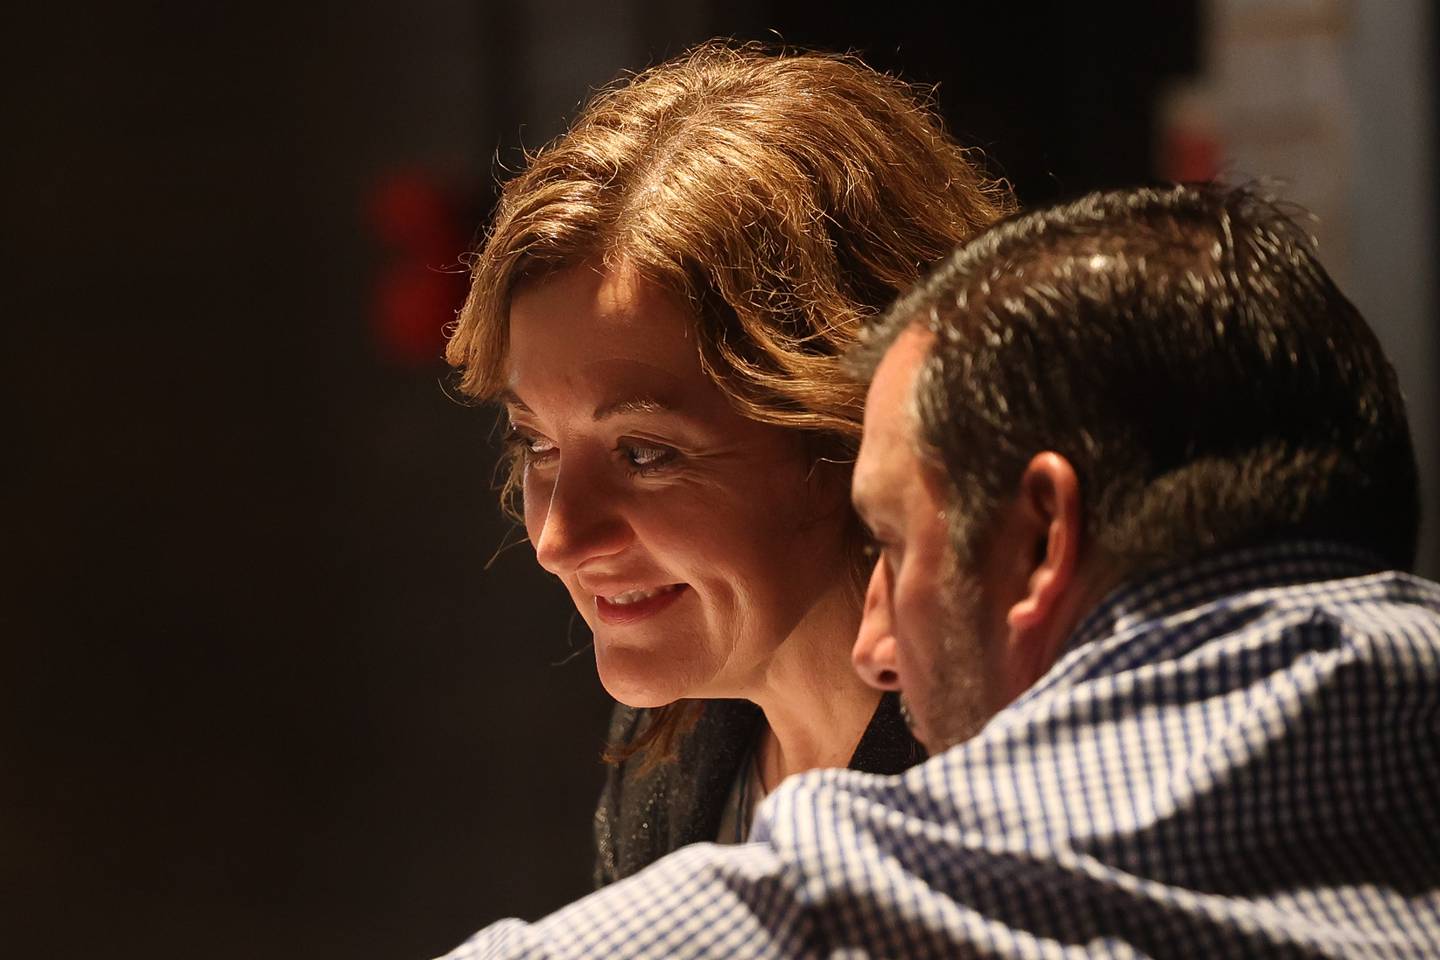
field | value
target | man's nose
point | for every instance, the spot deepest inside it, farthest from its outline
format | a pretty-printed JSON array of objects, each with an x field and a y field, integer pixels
[
  {"x": 578, "y": 518},
  {"x": 874, "y": 651}
]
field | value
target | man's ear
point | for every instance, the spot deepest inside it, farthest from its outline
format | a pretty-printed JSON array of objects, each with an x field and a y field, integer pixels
[{"x": 1047, "y": 513}]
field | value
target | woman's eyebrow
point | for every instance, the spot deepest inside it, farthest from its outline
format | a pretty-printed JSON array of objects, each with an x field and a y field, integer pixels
[
  {"x": 646, "y": 403},
  {"x": 632, "y": 405},
  {"x": 510, "y": 400}
]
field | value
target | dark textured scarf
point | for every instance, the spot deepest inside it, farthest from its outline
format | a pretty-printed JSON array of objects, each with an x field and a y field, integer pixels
[{"x": 643, "y": 816}]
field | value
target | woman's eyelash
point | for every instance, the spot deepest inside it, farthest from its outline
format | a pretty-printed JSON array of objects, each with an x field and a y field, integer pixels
[
  {"x": 525, "y": 444},
  {"x": 646, "y": 458}
]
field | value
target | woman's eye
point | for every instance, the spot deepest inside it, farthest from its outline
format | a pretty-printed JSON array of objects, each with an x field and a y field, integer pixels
[
  {"x": 644, "y": 457},
  {"x": 530, "y": 446}
]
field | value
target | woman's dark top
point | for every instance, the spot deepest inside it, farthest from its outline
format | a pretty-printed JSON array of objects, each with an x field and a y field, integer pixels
[{"x": 644, "y": 815}]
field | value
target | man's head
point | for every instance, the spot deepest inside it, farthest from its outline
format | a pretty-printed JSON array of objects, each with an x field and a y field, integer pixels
[{"x": 1094, "y": 389}]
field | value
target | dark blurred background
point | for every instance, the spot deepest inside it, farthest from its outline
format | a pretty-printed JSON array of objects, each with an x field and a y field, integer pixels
[{"x": 272, "y": 683}]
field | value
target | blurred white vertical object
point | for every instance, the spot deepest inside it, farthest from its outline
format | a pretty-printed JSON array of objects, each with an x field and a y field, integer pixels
[
  {"x": 1390, "y": 72},
  {"x": 1284, "y": 108},
  {"x": 1329, "y": 104}
]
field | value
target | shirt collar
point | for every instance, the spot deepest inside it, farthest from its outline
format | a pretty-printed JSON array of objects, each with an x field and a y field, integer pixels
[{"x": 1158, "y": 593}]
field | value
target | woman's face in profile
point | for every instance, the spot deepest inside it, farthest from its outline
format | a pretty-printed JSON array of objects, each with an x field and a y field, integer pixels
[{"x": 692, "y": 539}]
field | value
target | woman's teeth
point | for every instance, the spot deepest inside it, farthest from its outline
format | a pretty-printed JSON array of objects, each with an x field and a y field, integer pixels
[{"x": 635, "y": 596}]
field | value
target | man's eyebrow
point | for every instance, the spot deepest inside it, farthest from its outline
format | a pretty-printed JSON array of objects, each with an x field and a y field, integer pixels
[
  {"x": 860, "y": 501},
  {"x": 876, "y": 503}
]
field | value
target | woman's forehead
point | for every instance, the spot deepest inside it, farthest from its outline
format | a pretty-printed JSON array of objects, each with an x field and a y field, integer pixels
[
  {"x": 605, "y": 341},
  {"x": 586, "y": 309}
]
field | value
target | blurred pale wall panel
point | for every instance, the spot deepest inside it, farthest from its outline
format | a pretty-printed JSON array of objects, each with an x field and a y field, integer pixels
[{"x": 1391, "y": 73}]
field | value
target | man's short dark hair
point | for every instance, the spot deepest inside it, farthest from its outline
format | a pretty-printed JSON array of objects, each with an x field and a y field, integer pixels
[{"x": 1185, "y": 350}]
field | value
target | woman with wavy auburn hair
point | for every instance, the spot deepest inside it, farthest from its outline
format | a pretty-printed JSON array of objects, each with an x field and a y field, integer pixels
[{"x": 660, "y": 307}]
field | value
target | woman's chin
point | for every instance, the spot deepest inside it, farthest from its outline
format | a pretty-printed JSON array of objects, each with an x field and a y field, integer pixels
[
  {"x": 640, "y": 700},
  {"x": 632, "y": 678}
]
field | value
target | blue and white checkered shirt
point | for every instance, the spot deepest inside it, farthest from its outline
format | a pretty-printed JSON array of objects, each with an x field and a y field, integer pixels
[{"x": 1238, "y": 758}]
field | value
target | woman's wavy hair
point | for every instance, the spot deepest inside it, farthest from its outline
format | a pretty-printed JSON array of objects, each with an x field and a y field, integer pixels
[{"x": 786, "y": 196}]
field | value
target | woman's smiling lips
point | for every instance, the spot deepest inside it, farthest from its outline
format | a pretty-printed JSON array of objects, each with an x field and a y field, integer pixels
[{"x": 632, "y": 606}]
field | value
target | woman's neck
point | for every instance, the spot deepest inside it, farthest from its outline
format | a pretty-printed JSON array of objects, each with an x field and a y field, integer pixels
[{"x": 816, "y": 707}]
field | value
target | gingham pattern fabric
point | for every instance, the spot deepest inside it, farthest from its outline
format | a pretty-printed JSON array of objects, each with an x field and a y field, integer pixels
[{"x": 1238, "y": 758}]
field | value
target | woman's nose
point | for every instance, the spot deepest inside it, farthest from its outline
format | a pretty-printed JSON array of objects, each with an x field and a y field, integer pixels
[
  {"x": 573, "y": 520},
  {"x": 874, "y": 651}
]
